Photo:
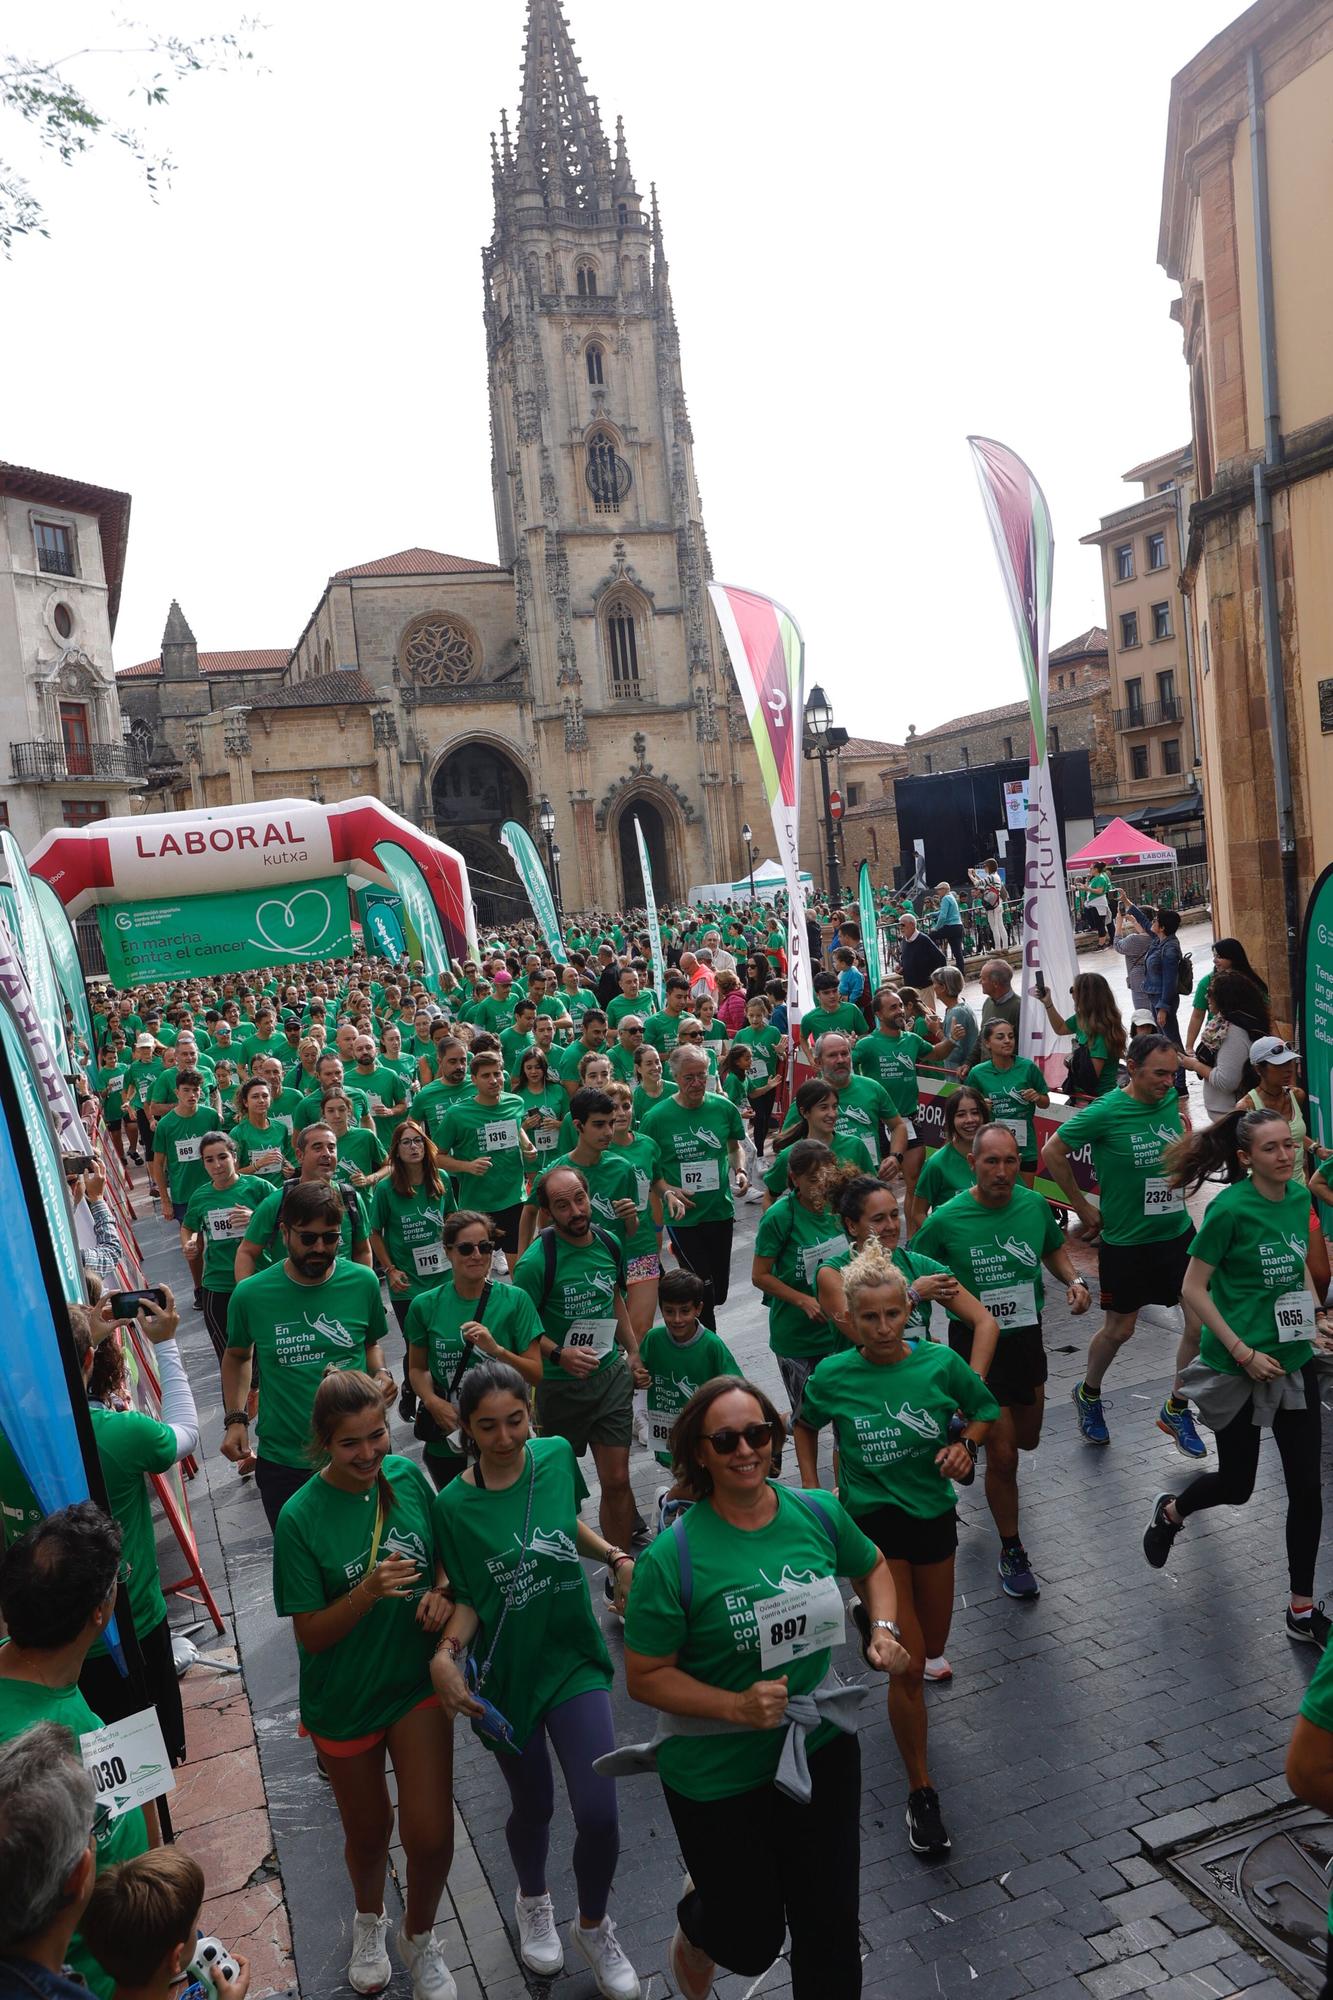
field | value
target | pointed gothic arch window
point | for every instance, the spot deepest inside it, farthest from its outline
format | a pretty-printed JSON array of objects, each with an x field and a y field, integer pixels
[
  {"x": 622, "y": 650},
  {"x": 607, "y": 474},
  {"x": 593, "y": 357},
  {"x": 585, "y": 278}
]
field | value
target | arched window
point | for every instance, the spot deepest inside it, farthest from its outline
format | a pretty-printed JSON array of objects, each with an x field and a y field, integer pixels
[
  {"x": 607, "y": 474},
  {"x": 622, "y": 647},
  {"x": 593, "y": 357},
  {"x": 586, "y": 279}
]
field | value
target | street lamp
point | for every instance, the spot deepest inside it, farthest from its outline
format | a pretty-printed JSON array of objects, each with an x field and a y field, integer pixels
[
  {"x": 822, "y": 737},
  {"x": 559, "y": 898},
  {"x": 747, "y": 834},
  {"x": 546, "y": 821}
]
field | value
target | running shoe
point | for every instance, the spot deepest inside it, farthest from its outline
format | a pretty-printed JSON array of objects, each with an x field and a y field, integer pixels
[
  {"x": 407, "y": 1404},
  {"x": 1179, "y": 1427},
  {"x": 689, "y": 1985},
  {"x": 615, "y": 1976},
  {"x": 926, "y": 1832},
  {"x": 1160, "y": 1533},
  {"x": 1016, "y": 1578},
  {"x": 938, "y": 1669},
  {"x": 198, "y": 1299},
  {"x": 431, "y": 1977},
  {"x": 1312, "y": 1630},
  {"x": 369, "y": 1970},
  {"x": 539, "y": 1944},
  {"x": 1091, "y": 1417}
]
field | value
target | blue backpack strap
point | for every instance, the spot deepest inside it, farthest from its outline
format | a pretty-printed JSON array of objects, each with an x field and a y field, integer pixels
[
  {"x": 818, "y": 1509},
  {"x": 684, "y": 1563}
]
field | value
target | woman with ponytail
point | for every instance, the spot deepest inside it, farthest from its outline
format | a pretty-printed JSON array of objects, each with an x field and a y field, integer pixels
[
  {"x": 1248, "y": 1281},
  {"x": 354, "y": 1570}
]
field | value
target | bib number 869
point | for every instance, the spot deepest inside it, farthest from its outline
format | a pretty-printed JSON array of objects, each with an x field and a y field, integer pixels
[
  {"x": 783, "y": 1629},
  {"x": 108, "y": 1775}
]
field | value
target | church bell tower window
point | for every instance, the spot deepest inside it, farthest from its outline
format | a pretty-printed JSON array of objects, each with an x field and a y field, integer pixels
[
  {"x": 608, "y": 475},
  {"x": 623, "y": 647},
  {"x": 594, "y": 360}
]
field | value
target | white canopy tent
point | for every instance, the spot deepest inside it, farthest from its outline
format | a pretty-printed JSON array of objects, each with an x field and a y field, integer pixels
[{"x": 769, "y": 882}]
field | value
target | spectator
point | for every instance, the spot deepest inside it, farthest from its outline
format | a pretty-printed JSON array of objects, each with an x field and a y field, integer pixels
[
  {"x": 918, "y": 955},
  {"x": 949, "y": 925},
  {"x": 1239, "y": 1019},
  {"x": 1133, "y": 940},
  {"x": 1162, "y": 972},
  {"x": 1001, "y": 1002},
  {"x": 961, "y": 1028},
  {"x": 100, "y": 1245},
  {"x": 143, "y": 1923},
  {"x": 48, "y": 1860}
]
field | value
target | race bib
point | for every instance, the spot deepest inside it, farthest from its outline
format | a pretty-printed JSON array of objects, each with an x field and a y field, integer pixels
[
  {"x": 1012, "y": 1305},
  {"x": 758, "y": 1071},
  {"x": 501, "y": 1137},
  {"x": 1018, "y": 1126},
  {"x": 1293, "y": 1313},
  {"x": 283, "y": 1118},
  {"x": 815, "y": 1253},
  {"x": 795, "y": 1623},
  {"x": 546, "y": 1138},
  {"x": 591, "y": 1336},
  {"x": 699, "y": 1177},
  {"x": 1160, "y": 1198},
  {"x": 659, "y": 1428},
  {"x": 270, "y": 1157},
  {"x": 187, "y": 1149},
  {"x": 127, "y": 1762},
  {"x": 223, "y": 1226},
  {"x": 429, "y": 1260}
]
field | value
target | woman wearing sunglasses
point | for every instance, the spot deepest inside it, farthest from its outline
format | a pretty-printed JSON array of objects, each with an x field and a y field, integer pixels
[
  {"x": 509, "y": 1536},
  {"x": 458, "y": 1323},
  {"x": 734, "y": 1611},
  {"x": 892, "y": 1408}
]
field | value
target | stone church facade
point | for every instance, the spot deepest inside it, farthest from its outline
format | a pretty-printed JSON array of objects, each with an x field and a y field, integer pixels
[{"x": 585, "y": 667}]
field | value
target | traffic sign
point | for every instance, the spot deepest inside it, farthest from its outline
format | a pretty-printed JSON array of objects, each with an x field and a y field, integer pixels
[{"x": 835, "y": 804}]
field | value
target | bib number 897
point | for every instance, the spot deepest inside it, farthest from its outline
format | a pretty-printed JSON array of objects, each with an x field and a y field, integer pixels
[
  {"x": 783, "y": 1629},
  {"x": 110, "y": 1774}
]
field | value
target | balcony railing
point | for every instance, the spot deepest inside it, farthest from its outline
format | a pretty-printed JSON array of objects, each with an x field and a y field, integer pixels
[
  {"x": 62, "y": 763},
  {"x": 56, "y": 562},
  {"x": 627, "y": 690},
  {"x": 1148, "y": 714}
]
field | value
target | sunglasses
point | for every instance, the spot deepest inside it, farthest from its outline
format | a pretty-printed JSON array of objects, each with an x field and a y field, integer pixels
[
  {"x": 474, "y": 1249},
  {"x": 313, "y": 1236},
  {"x": 726, "y": 1441},
  {"x": 634, "y": 1031}
]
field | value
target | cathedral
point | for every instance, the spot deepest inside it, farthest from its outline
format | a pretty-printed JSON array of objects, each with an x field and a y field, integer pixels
[{"x": 584, "y": 666}]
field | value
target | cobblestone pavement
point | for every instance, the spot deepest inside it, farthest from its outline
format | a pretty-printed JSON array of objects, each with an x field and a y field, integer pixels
[{"x": 1124, "y": 1709}]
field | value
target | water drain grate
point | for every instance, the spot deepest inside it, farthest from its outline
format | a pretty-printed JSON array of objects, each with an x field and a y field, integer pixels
[{"x": 1271, "y": 1877}]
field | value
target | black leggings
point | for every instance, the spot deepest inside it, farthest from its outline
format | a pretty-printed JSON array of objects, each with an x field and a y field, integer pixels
[
  {"x": 1296, "y": 1435},
  {"x": 705, "y": 1249},
  {"x": 761, "y": 1111},
  {"x": 216, "y": 1307}
]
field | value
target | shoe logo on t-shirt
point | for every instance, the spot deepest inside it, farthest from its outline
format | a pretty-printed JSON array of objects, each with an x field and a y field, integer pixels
[
  {"x": 1024, "y": 1253},
  {"x": 550, "y": 1542},
  {"x": 332, "y": 1329},
  {"x": 707, "y": 1138},
  {"x": 919, "y": 1421},
  {"x": 790, "y": 1579}
]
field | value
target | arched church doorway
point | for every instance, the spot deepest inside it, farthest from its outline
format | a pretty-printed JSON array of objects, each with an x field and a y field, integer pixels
[
  {"x": 475, "y": 789},
  {"x": 661, "y": 854}
]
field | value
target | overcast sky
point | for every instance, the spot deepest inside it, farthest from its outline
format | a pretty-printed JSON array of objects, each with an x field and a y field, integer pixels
[{"x": 888, "y": 226}]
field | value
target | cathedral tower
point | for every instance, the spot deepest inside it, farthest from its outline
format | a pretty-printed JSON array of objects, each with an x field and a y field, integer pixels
[{"x": 596, "y": 504}]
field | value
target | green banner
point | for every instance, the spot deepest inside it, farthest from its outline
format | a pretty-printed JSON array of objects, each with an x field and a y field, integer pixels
[
  {"x": 869, "y": 930},
  {"x": 380, "y": 915},
  {"x": 226, "y": 931},
  {"x": 31, "y": 939},
  {"x": 518, "y": 842},
  {"x": 418, "y": 910},
  {"x": 65, "y": 958},
  {"x": 45, "y": 1147},
  {"x": 650, "y": 900},
  {"x": 1315, "y": 1001}
]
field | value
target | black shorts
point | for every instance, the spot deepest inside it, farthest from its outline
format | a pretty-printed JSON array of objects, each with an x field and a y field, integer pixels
[
  {"x": 1019, "y": 1368},
  {"x": 1130, "y": 1275},
  {"x": 111, "y": 1697},
  {"x": 903, "y": 1537},
  {"x": 506, "y": 1221}
]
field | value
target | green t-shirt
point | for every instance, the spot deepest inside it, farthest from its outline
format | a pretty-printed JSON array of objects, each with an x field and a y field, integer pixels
[
  {"x": 256, "y": 1150},
  {"x": 210, "y": 1212},
  {"x": 20, "y": 1509},
  {"x": 283, "y": 1108},
  {"x": 581, "y": 1298},
  {"x": 513, "y": 1042},
  {"x": 798, "y": 1240},
  {"x": 435, "y": 1320},
  {"x": 1200, "y": 999},
  {"x": 255, "y": 1046},
  {"x": 995, "y": 1253},
  {"x": 1108, "y": 1076},
  {"x": 642, "y": 1103},
  {"x": 1316, "y": 1707},
  {"x": 945, "y": 1174},
  {"x": 163, "y": 1088},
  {"x": 412, "y": 1228},
  {"x": 777, "y": 1176},
  {"x": 762, "y": 1073},
  {"x": 890, "y": 1061},
  {"x": 431, "y": 1106},
  {"x": 733, "y": 1569},
  {"x": 610, "y": 1179},
  {"x": 262, "y": 1228},
  {"x": 891, "y": 1420},
  {"x": 1258, "y": 1250},
  {"x": 130, "y": 1445},
  {"x": 177, "y": 1140},
  {"x": 693, "y": 1146},
  {"x": 551, "y": 1647},
  {"x": 863, "y": 1106},
  {"x": 913, "y": 1266},
  {"x": 844, "y": 1019},
  {"x": 108, "y": 1080},
  {"x": 567, "y": 1060},
  {"x": 22, "y": 1703},
  {"x": 385, "y": 1088},
  {"x": 296, "y": 1330},
  {"x": 321, "y": 1550},
  {"x": 1128, "y": 1140},
  {"x": 140, "y": 1078},
  {"x": 359, "y": 1152},
  {"x": 476, "y": 1131},
  {"x": 1008, "y": 1107},
  {"x": 662, "y": 1029},
  {"x": 311, "y": 1110},
  {"x": 538, "y": 1107},
  {"x": 645, "y": 1161},
  {"x": 678, "y": 1368},
  {"x": 643, "y": 1004}
]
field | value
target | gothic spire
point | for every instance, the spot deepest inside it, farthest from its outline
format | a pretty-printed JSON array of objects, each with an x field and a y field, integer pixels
[
  {"x": 560, "y": 146},
  {"x": 177, "y": 630},
  {"x": 624, "y": 175}
]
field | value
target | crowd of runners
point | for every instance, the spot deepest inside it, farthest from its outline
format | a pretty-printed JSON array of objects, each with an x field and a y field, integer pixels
[{"x": 492, "y": 1214}]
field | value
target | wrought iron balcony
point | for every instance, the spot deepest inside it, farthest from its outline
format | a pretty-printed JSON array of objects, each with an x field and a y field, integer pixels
[
  {"x": 56, "y": 562},
  {"x": 1148, "y": 714},
  {"x": 62, "y": 763}
]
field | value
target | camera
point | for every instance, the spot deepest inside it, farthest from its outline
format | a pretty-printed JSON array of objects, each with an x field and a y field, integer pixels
[{"x": 125, "y": 1305}]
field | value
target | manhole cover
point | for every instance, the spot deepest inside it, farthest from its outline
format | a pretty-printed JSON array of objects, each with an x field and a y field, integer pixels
[{"x": 1272, "y": 1878}]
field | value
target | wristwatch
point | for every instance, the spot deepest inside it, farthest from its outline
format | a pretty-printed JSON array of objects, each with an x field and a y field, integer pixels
[
  {"x": 235, "y": 1417},
  {"x": 886, "y": 1625},
  {"x": 971, "y": 1447},
  {"x": 1079, "y": 1279}
]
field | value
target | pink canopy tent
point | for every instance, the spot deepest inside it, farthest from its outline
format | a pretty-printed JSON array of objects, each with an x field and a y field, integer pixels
[{"x": 1120, "y": 845}]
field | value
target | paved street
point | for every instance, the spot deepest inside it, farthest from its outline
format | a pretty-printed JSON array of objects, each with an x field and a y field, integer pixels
[{"x": 1121, "y": 1697}]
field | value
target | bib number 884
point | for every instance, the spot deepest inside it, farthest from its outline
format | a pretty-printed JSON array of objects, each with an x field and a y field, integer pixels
[{"x": 783, "y": 1629}]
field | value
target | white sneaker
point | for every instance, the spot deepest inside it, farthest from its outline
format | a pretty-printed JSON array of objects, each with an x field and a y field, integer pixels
[
  {"x": 368, "y": 1969},
  {"x": 756, "y": 1193},
  {"x": 424, "y": 1959},
  {"x": 937, "y": 1669},
  {"x": 615, "y": 1976},
  {"x": 539, "y": 1944}
]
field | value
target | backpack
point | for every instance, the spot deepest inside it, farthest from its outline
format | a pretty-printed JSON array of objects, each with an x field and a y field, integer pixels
[
  {"x": 685, "y": 1562},
  {"x": 551, "y": 1250},
  {"x": 1185, "y": 974}
]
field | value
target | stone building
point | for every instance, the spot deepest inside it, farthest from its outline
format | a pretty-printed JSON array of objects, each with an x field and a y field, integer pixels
[
  {"x": 1247, "y": 234},
  {"x": 62, "y": 555},
  {"x": 585, "y": 666},
  {"x": 863, "y": 770},
  {"x": 1151, "y": 654}
]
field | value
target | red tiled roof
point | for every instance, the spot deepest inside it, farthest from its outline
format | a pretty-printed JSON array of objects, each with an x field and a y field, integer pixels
[
  {"x": 1058, "y": 698},
  {"x": 319, "y": 691},
  {"x": 418, "y": 562},
  {"x": 869, "y": 746},
  {"x": 111, "y": 508},
  {"x": 1092, "y": 641},
  {"x": 259, "y": 660}
]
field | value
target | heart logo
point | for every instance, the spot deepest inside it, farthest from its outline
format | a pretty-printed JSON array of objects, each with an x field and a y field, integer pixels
[{"x": 289, "y": 944}]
